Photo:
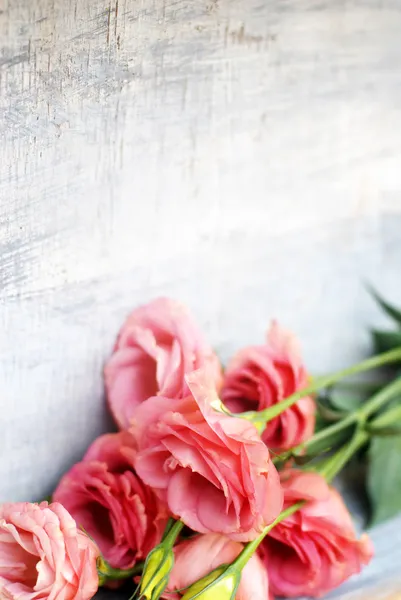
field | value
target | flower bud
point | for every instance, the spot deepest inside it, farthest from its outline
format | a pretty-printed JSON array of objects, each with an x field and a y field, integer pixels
[
  {"x": 220, "y": 584},
  {"x": 156, "y": 572}
]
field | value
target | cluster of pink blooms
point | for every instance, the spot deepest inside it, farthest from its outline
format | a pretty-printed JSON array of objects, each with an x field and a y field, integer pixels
[{"x": 177, "y": 455}]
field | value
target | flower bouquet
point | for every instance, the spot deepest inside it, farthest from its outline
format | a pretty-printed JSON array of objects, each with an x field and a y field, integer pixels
[{"x": 218, "y": 484}]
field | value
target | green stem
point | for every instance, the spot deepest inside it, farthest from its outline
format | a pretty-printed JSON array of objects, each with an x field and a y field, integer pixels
[
  {"x": 167, "y": 529},
  {"x": 336, "y": 462},
  {"x": 330, "y": 470},
  {"x": 250, "y": 548},
  {"x": 107, "y": 573},
  {"x": 323, "y": 434},
  {"x": 367, "y": 387},
  {"x": 379, "y": 399},
  {"x": 173, "y": 534},
  {"x": 389, "y": 418},
  {"x": 325, "y": 381},
  {"x": 360, "y": 415}
]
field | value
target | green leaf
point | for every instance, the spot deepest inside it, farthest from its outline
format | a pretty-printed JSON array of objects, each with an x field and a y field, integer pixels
[
  {"x": 386, "y": 340},
  {"x": 329, "y": 413},
  {"x": 326, "y": 442},
  {"x": 333, "y": 405},
  {"x": 384, "y": 478},
  {"x": 320, "y": 423},
  {"x": 388, "y": 422},
  {"x": 389, "y": 309},
  {"x": 361, "y": 389},
  {"x": 390, "y": 430},
  {"x": 45, "y": 499},
  {"x": 346, "y": 402}
]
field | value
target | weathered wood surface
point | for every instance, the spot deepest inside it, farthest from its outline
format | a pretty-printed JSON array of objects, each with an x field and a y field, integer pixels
[{"x": 240, "y": 155}]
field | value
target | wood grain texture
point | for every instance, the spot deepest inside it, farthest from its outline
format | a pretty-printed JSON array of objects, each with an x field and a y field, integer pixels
[{"x": 242, "y": 156}]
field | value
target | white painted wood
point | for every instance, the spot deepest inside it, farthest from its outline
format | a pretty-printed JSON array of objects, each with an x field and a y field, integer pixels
[{"x": 240, "y": 155}]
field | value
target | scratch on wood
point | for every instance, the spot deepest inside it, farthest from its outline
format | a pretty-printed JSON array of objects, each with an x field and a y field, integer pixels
[
  {"x": 212, "y": 7},
  {"x": 116, "y": 19},
  {"x": 108, "y": 25},
  {"x": 29, "y": 60},
  {"x": 241, "y": 36},
  {"x": 14, "y": 60}
]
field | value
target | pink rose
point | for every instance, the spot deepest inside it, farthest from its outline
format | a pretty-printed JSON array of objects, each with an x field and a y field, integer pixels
[
  {"x": 196, "y": 557},
  {"x": 43, "y": 554},
  {"x": 158, "y": 344},
  {"x": 107, "y": 499},
  {"x": 261, "y": 376},
  {"x": 212, "y": 470},
  {"x": 316, "y": 549}
]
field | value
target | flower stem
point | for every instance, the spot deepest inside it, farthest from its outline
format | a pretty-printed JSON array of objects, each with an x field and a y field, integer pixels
[
  {"x": 107, "y": 573},
  {"x": 331, "y": 467},
  {"x": 173, "y": 533},
  {"x": 390, "y": 419},
  {"x": 358, "y": 416},
  {"x": 330, "y": 470},
  {"x": 366, "y": 387},
  {"x": 319, "y": 437},
  {"x": 379, "y": 399},
  {"x": 325, "y": 381},
  {"x": 250, "y": 548},
  {"x": 336, "y": 462}
]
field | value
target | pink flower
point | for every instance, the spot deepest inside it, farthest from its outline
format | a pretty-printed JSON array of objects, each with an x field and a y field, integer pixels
[
  {"x": 107, "y": 499},
  {"x": 196, "y": 557},
  {"x": 316, "y": 549},
  {"x": 212, "y": 470},
  {"x": 261, "y": 376},
  {"x": 43, "y": 554},
  {"x": 158, "y": 344}
]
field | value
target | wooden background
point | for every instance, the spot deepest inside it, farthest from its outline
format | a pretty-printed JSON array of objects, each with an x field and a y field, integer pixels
[{"x": 240, "y": 155}]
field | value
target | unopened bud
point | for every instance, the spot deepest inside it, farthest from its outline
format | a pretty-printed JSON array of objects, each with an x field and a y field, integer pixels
[
  {"x": 220, "y": 584},
  {"x": 156, "y": 572}
]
